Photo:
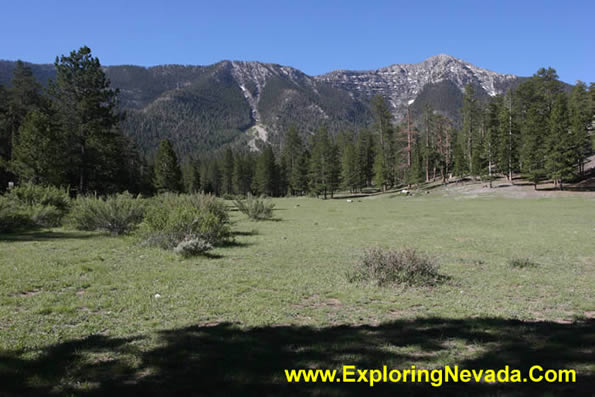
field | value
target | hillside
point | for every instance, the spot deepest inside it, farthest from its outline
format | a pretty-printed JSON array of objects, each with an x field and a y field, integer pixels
[{"x": 201, "y": 108}]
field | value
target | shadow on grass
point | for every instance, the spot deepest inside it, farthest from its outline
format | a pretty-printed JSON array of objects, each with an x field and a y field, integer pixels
[
  {"x": 224, "y": 359},
  {"x": 44, "y": 235}
]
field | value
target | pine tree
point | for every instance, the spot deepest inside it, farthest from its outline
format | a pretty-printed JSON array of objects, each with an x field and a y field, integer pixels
[
  {"x": 243, "y": 170},
  {"x": 365, "y": 158},
  {"x": 291, "y": 152},
  {"x": 559, "y": 162},
  {"x": 265, "y": 173},
  {"x": 210, "y": 177},
  {"x": 25, "y": 96},
  {"x": 325, "y": 168},
  {"x": 581, "y": 114},
  {"x": 492, "y": 138},
  {"x": 299, "y": 174},
  {"x": 461, "y": 164},
  {"x": 191, "y": 176},
  {"x": 349, "y": 168},
  {"x": 508, "y": 138},
  {"x": 470, "y": 129},
  {"x": 533, "y": 148},
  {"x": 88, "y": 110},
  {"x": 5, "y": 139},
  {"x": 384, "y": 162},
  {"x": 227, "y": 172},
  {"x": 38, "y": 152},
  {"x": 168, "y": 177}
]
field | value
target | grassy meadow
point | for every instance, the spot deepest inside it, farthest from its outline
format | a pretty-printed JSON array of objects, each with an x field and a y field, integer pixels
[{"x": 90, "y": 314}]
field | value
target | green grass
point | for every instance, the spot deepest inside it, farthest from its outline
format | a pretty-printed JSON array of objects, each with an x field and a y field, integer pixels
[{"x": 78, "y": 312}]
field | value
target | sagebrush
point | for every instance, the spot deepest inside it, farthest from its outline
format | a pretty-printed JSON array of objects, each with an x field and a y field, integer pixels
[
  {"x": 257, "y": 208},
  {"x": 386, "y": 266},
  {"x": 116, "y": 214},
  {"x": 29, "y": 205},
  {"x": 191, "y": 222}
]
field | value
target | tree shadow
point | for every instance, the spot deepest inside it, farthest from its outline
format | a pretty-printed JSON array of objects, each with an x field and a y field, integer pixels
[
  {"x": 226, "y": 359},
  {"x": 44, "y": 235}
]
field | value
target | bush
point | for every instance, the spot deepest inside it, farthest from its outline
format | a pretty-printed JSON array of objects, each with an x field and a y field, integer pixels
[
  {"x": 186, "y": 223},
  {"x": 117, "y": 214},
  {"x": 192, "y": 246},
  {"x": 44, "y": 206},
  {"x": 256, "y": 208},
  {"x": 522, "y": 263},
  {"x": 386, "y": 267},
  {"x": 12, "y": 216}
]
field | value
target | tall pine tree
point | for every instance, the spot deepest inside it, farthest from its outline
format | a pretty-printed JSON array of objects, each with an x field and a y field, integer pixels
[{"x": 168, "y": 176}]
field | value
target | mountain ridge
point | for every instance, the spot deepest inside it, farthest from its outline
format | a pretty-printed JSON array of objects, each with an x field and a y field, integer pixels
[{"x": 202, "y": 107}]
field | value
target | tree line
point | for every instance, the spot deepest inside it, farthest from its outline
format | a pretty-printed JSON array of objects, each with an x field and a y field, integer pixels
[
  {"x": 538, "y": 130},
  {"x": 69, "y": 135}
]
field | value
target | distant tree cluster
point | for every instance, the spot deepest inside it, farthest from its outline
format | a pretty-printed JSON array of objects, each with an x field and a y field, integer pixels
[
  {"x": 538, "y": 130},
  {"x": 70, "y": 135},
  {"x": 67, "y": 135}
]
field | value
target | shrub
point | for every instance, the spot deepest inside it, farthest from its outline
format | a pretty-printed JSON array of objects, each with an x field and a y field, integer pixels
[
  {"x": 522, "y": 263},
  {"x": 188, "y": 223},
  {"x": 386, "y": 267},
  {"x": 12, "y": 216},
  {"x": 44, "y": 206},
  {"x": 256, "y": 208},
  {"x": 117, "y": 214},
  {"x": 192, "y": 246}
]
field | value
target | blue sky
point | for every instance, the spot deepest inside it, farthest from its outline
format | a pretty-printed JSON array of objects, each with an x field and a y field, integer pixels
[{"x": 314, "y": 36}]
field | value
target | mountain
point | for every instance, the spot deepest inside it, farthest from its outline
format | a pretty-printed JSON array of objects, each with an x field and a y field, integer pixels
[
  {"x": 439, "y": 80},
  {"x": 201, "y": 108}
]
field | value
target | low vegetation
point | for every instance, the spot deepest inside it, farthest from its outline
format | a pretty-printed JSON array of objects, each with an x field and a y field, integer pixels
[
  {"x": 29, "y": 206},
  {"x": 116, "y": 214},
  {"x": 255, "y": 208},
  {"x": 86, "y": 313},
  {"x": 522, "y": 263},
  {"x": 188, "y": 224},
  {"x": 404, "y": 267}
]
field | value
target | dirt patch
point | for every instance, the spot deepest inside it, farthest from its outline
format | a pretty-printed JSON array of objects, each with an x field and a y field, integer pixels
[{"x": 590, "y": 314}]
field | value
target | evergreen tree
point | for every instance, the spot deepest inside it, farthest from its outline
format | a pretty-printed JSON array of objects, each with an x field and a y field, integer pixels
[
  {"x": 324, "y": 165},
  {"x": 227, "y": 172},
  {"x": 299, "y": 174},
  {"x": 492, "y": 136},
  {"x": 168, "y": 177},
  {"x": 210, "y": 177},
  {"x": 5, "y": 138},
  {"x": 191, "y": 176},
  {"x": 265, "y": 173},
  {"x": 508, "y": 138},
  {"x": 349, "y": 168},
  {"x": 291, "y": 152},
  {"x": 25, "y": 96},
  {"x": 38, "y": 152},
  {"x": 365, "y": 158},
  {"x": 559, "y": 162},
  {"x": 470, "y": 136},
  {"x": 88, "y": 110},
  {"x": 461, "y": 165},
  {"x": 243, "y": 171},
  {"x": 581, "y": 115},
  {"x": 533, "y": 148},
  {"x": 384, "y": 163}
]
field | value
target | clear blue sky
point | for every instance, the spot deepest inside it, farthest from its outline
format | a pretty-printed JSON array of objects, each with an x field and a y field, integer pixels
[{"x": 314, "y": 36}]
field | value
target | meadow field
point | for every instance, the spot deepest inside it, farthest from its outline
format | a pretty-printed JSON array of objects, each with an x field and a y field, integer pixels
[{"x": 86, "y": 313}]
